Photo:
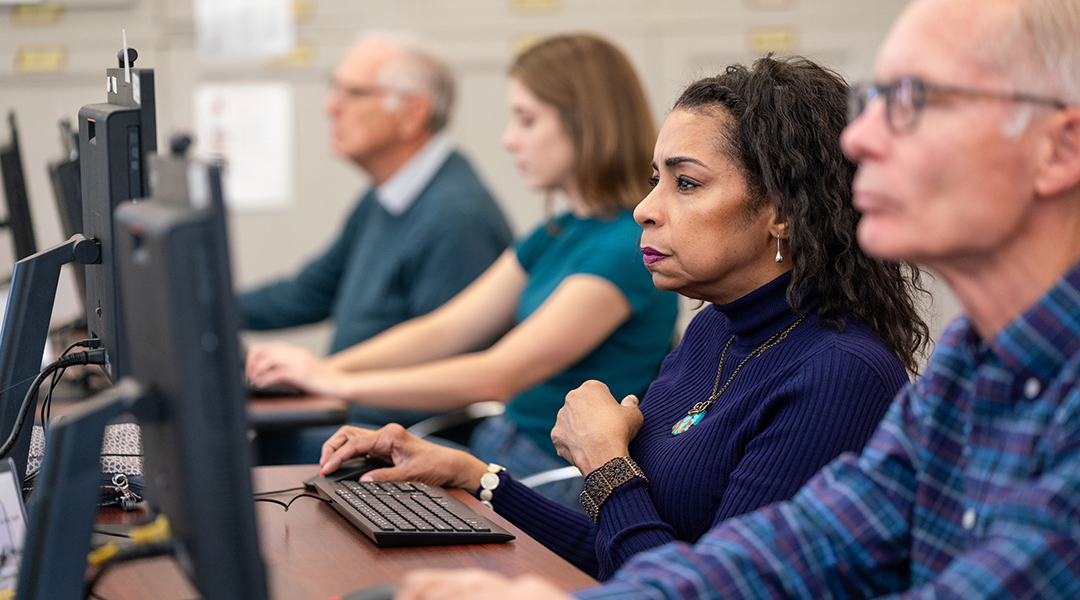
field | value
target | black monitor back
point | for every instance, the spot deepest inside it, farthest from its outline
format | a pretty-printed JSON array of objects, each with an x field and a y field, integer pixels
[
  {"x": 67, "y": 189},
  {"x": 18, "y": 205},
  {"x": 182, "y": 320},
  {"x": 114, "y": 140}
]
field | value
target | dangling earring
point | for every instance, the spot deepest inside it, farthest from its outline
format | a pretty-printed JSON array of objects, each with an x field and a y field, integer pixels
[{"x": 779, "y": 258}]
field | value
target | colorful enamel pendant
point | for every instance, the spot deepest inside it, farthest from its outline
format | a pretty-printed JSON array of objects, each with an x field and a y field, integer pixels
[
  {"x": 696, "y": 414},
  {"x": 687, "y": 422}
]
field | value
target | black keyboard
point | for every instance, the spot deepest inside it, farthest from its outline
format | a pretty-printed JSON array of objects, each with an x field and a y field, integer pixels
[
  {"x": 407, "y": 513},
  {"x": 278, "y": 390}
]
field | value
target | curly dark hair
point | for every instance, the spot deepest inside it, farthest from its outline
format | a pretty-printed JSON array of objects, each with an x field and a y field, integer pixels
[{"x": 784, "y": 135}]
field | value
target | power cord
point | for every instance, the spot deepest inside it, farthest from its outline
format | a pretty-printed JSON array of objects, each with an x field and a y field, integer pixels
[
  {"x": 286, "y": 490},
  {"x": 46, "y": 404},
  {"x": 294, "y": 499},
  {"x": 112, "y": 533},
  {"x": 87, "y": 357}
]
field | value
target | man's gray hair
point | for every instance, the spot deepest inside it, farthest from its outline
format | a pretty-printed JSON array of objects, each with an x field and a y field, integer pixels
[
  {"x": 417, "y": 70},
  {"x": 1039, "y": 52}
]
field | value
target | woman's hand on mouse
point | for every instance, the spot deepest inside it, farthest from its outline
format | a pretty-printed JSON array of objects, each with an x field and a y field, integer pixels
[
  {"x": 593, "y": 428},
  {"x": 467, "y": 584},
  {"x": 414, "y": 459}
]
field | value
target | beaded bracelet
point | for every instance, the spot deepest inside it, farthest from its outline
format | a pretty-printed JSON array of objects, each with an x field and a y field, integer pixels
[
  {"x": 601, "y": 482},
  {"x": 489, "y": 482}
]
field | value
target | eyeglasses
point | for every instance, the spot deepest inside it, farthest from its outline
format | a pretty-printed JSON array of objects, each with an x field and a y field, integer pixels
[
  {"x": 355, "y": 92},
  {"x": 905, "y": 99}
]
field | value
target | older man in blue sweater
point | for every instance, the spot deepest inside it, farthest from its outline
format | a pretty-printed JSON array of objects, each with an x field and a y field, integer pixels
[{"x": 423, "y": 232}]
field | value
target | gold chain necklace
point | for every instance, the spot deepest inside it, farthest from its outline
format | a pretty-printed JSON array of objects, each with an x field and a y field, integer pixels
[{"x": 697, "y": 413}]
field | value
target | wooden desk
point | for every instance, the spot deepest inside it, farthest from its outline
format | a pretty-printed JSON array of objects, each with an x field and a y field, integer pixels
[{"x": 312, "y": 553}]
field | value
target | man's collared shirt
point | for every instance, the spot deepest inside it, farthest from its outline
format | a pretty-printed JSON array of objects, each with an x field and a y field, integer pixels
[
  {"x": 970, "y": 488},
  {"x": 398, "y": 193}
]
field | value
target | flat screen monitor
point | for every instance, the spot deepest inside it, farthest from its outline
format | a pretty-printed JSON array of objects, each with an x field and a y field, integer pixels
[
  {"x": 182, "y": 320},
  {"x": 18, "y": 205},
  {"x": 114, "y": 139},
  {"x": 67, "y": 189}
]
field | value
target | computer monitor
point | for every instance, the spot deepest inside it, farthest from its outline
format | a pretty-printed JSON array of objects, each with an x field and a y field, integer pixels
[
  {"x": 18, "y": 219},
  {"x": 114, "y": 139},
  {"x": 67, "y": 189},
  {"x": 182, "y": 319}
]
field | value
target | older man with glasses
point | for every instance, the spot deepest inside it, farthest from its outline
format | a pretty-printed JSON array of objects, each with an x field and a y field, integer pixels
[
  {"x": 425, "y": 229},
  {"x": 969, "y": 164}
]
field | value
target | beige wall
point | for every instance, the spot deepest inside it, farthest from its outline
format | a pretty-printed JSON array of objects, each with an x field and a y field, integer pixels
[{"x": 671, "y": 42}]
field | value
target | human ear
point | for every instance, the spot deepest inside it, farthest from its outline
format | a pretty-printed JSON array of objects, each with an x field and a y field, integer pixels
[
  {"x": 777, "y": 223},
  {"x": 413, "y": 112},
  {"x": 1059, "y": 169}
]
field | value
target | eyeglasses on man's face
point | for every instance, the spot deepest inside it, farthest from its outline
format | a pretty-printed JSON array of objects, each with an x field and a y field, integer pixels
[
  {"x": 905, "y": 99},
  {"x": 355, "y": 92}
]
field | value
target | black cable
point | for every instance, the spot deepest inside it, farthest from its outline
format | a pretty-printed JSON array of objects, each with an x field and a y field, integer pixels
[
  {"x": 96, "y": 357},
  {"x": 46, "y": 404},
  {"x": 293, "y": 489},
  {"x": 294, "y": 499},
  {"x": 112, "y": 533},
  {"x": 80, "y": 343}
]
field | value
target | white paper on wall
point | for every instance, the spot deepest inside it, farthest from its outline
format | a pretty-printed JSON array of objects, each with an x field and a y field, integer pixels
[
  {"x": 250, "y": 126},
  {"x": 244, "y": 28}
]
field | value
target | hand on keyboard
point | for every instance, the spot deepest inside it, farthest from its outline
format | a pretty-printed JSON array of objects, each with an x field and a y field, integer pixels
[{"x": 280, "y": 363}]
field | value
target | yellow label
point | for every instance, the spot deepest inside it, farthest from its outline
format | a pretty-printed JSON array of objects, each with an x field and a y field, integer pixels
[
  {"x": 40, "y": 59},
  {"x": 302, "y": 54},
  {"x": 772, "y": 40},
  {"x": 36, "y": 14},
  {"x": 303, "y": 9},
  {"x": 532, "y": 7}
]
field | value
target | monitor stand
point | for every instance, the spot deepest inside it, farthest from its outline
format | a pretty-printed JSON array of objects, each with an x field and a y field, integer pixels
[{"x": 26, "y": 329}]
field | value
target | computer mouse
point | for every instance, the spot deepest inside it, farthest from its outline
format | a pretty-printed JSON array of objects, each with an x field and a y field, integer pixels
[
  {"x": 385, "y": 591},
  {"x": 349, "y": 469}
]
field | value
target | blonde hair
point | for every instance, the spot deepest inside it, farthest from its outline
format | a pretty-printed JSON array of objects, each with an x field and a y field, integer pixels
[{"x": 603, "y": 109}]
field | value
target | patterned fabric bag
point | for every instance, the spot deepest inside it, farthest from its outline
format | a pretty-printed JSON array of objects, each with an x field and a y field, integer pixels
[{"x": 121, "y": 464}]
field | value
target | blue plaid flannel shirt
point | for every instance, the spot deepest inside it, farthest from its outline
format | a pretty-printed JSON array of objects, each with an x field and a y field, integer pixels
[{"x": 970, "y": 488}]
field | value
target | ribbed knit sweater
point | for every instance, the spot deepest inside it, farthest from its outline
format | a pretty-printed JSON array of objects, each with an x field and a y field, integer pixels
[{"x": 787, "y": 413}]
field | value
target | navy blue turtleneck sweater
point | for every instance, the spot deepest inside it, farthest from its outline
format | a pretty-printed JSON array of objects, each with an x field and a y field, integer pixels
[{"x": 787, "y": 413}]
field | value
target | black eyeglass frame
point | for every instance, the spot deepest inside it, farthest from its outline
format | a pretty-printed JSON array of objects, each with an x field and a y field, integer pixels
[
  {"x": 354, "y": 92},
  {"x": 909, "y": 94}
]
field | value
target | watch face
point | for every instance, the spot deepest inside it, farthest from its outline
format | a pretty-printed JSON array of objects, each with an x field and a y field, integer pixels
[{"x": 489, "y": 481}]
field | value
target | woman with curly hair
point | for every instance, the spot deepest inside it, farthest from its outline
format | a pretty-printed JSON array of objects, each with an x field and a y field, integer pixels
[{"x": 795, "y": 361}]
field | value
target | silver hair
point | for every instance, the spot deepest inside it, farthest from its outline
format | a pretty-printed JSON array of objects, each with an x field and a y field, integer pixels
[
  {"x": 1039, "y": 52},
  {"x": 417, "y": 69}
]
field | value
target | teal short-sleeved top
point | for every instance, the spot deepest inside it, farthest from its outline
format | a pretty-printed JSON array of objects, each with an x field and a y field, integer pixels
[{"x": 629, "y": 359}]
